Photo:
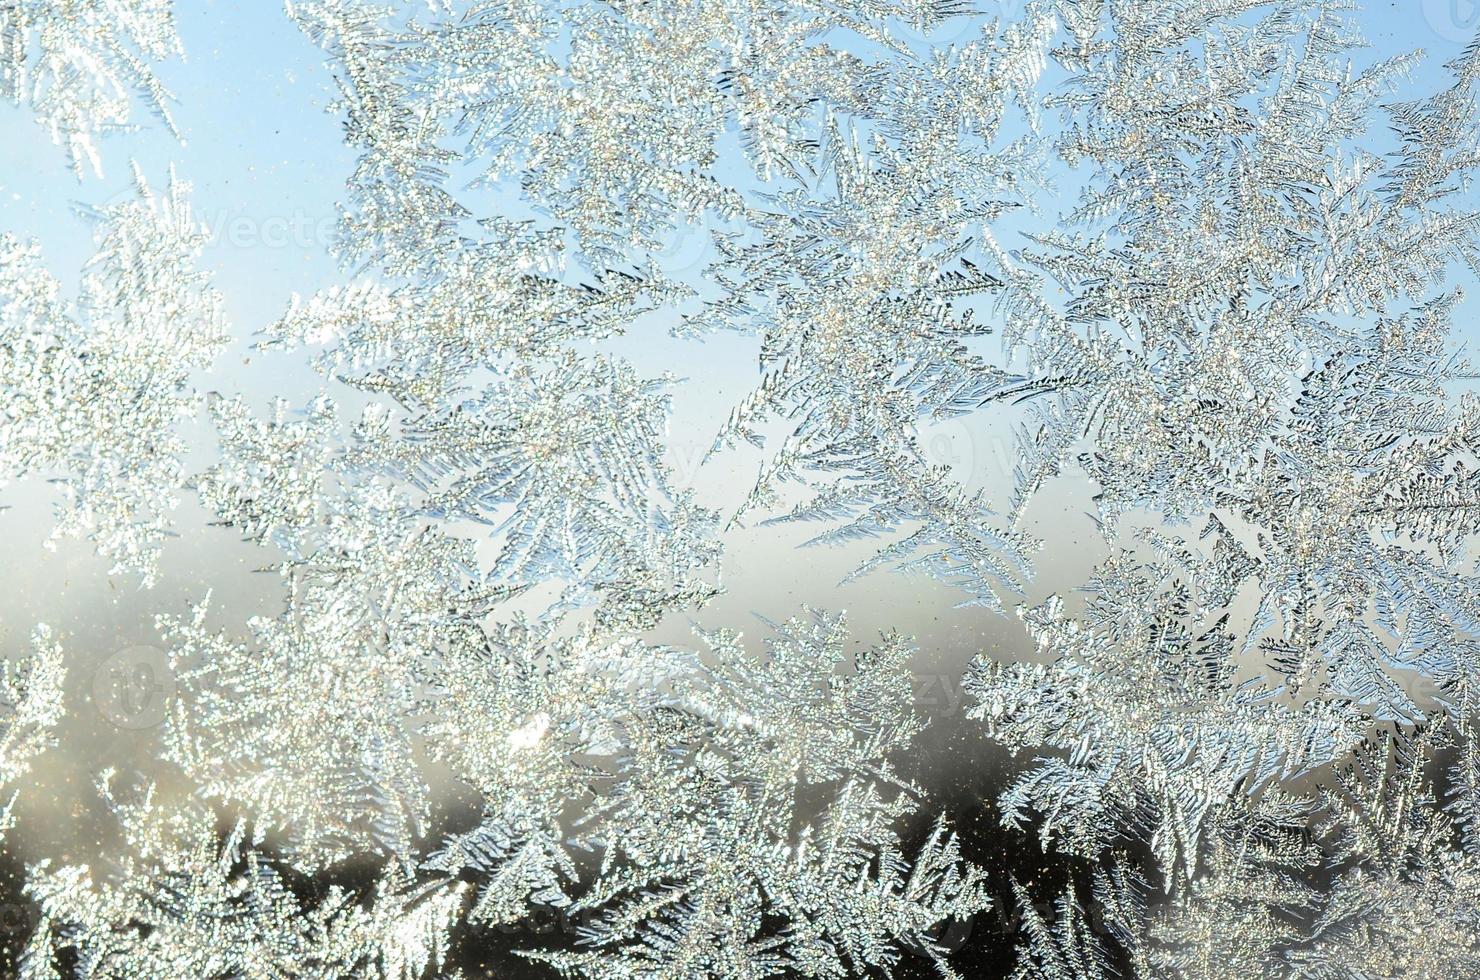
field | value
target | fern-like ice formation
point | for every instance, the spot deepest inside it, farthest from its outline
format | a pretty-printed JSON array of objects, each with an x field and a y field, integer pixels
[
  {"x": 84, "y": 66},
  {"x": 95, "y": 389},
  {"x": 1249, "y": 336},
  {"x": 31, "y": 691},
  {"x": 183, "y": 903},
  {"x": 853, "y": 257},
  {"x": 1250, "y": 734}
]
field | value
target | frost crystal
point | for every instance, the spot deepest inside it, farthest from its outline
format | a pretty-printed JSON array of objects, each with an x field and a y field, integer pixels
[
  {"x": 1225, "y": 252},
  {"x": 1141, "y": 697},
  {"x": 31, "y": 692},
  {"x": 94, "y": 389},
  {"x": 183, "y": 903},
  {"x": 80, "y": 66}
]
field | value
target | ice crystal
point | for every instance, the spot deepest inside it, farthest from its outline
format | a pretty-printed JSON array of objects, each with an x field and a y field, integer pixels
[
  {"x": 182, "y": 902},
  {"x": 859, "y": 281},
  {"x": 310, "y": 722},
  {"x": 31, "y": 691},
  {"x": 94, "y": 389},
  {"x": 705, "y": 837},
  {"x": 1066, "y": 949},
  {"x": 82, "y": 65},
  {"x": 1397, "y": 900},
  {"x": 1141, "y": 701},
  {"x": 1248, "y": 735},
  {"x": 1239, "y": 222},
  {"x": 565, "y": 462},
  {"x": 858, "y": 264}
]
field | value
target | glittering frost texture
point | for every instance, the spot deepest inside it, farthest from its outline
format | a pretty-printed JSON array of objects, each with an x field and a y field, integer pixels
[{"x": 1203, "y": 258}]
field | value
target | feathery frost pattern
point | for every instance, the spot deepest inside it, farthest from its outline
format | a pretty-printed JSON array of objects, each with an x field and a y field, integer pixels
[
  {"x": 1207, "y": 259},
  {"x": 95, "y": 389},
  {"x": 83, "y": 67}
]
